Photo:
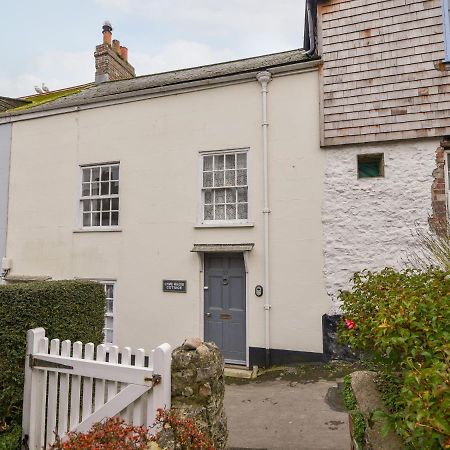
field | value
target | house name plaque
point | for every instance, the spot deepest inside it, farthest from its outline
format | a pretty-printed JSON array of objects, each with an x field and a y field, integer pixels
[{"x": 174, "y": 286}]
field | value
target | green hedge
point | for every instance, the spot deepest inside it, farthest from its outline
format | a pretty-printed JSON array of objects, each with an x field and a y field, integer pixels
[
  {"x": 402, "y": 319},
  {"x": 66, "y": 309}
]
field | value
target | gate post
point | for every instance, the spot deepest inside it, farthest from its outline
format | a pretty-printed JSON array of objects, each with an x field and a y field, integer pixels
[
  {"x": 162, "y": 360},
  {"x": 33, "y": 396}
]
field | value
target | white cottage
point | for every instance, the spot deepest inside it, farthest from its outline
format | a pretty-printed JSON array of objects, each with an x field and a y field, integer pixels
[{"x": 194, "y": 196}]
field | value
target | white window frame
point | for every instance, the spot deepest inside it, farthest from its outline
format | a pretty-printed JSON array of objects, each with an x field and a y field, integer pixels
[
  {"x": 225, "y": 222},
  {"x": 446, "y": 23},
  {"x": 108, "y": 314},
  {"x": 98, "y": 197}
]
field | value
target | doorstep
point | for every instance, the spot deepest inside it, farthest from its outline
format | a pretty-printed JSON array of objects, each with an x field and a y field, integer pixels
[{"x": 234, "y": 371}]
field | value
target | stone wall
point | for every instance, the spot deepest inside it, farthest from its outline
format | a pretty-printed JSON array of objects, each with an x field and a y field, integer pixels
[
  {"x": 198, "y": 388},
  {"x": 438, "y": 219},
  {"x": 369, "y": 223}
]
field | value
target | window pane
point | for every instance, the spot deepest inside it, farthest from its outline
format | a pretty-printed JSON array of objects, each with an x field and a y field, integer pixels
[
  {"x": 115, "y": 204},
  {"x": 95, "y": 189},
  {"x": 106, "y": 204},
  {"x": 95, "y": 174},
  {"x": 241, "y": 160},
  {"x": 231, "y": 212},
  {"x": 86, "y": 205},
  {"x": 242, "y": 211},
  {"x": 220, "y": 196},
  {"x": 218, "y": 179},
  {"x": 109, "y": 290},
  {"x": 208, "y": 197},
  {"x": 241, "y": 177},
  {"x": 109, "y": 306},
  {"x": 209, "y": 212},
  {"x": 85, "y": 189},
  {"x": 218, "y": 162},
  {"x": 95, "y": 205},
  {"x": 231, "y": 195},
  {"x": 207, "y": 163},
  {"x": 105, "y": 219},
  {"x": 114, "y": 172},
  {"x": 105, "y": 173},
  {"x": 242, "y": 194},
  {"x": 230, "y": 161},
  {"x": 109, "y": 336},
  {"x": 114, "y": 187},
  {"x": 86, "y": 175},
  {"x": 104, "y": 188},
  {"x": 95, "y": 219},
  {"x": 230, "y": 178},
  {"x": 207, "y": 179},
  {"x": 86, "y": 220},
  {"x": 114, "y": 218},
  {"x": 220, "y": 212}
]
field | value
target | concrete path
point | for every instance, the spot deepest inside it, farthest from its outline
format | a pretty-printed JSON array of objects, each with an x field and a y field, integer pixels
[{"x": 283, "y": 414}]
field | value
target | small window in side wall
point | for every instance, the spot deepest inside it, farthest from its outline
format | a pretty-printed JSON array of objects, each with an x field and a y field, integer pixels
[{"x": 371, "y": 165}]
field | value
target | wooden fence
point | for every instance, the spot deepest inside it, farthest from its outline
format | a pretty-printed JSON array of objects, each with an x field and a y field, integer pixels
[{"x": 69, "y": 387}]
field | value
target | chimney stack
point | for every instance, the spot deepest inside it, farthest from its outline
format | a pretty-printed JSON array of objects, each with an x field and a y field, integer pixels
[{"x": 111, "y": 59}]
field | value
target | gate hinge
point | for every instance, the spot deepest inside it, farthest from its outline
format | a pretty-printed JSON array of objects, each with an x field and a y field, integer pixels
[{"x": 155, "y": 379}]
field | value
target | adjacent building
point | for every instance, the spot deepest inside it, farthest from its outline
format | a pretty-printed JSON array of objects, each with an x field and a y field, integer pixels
[{"x": 384, "y": 116}]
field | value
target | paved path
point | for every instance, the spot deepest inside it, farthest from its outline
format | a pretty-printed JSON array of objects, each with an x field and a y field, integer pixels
[{"x": 282, "y": 414}]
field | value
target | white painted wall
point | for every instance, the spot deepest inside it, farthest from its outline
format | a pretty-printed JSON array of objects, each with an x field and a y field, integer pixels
[
  {"x": 157, "y": 142},
  {"x": 5, "y": 151},
  {"x": 368, "y": 223}
]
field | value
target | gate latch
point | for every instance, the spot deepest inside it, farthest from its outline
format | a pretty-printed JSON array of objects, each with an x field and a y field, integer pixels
[{"x": 155, "y": 379}]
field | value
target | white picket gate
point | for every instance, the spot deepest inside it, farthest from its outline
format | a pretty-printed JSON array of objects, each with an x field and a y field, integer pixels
[{"x": 69, "y": 387}]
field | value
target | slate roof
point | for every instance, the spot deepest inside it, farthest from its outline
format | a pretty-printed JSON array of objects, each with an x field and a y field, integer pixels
[
  {"x": 137, "y": 86},
  {"x": 8, "y": 103}
]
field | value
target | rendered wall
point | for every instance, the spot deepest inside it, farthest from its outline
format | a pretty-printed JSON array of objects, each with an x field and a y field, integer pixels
[
  {"x": 369, "y": 223},
  {"x": 5, "y": 149},
  {"x": 158, "y": 142}
]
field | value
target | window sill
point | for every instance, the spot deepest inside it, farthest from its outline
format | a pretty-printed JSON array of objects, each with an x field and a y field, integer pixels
[
  {"x": 98, "y": 230},
  {"x": 225, "y": 225}
]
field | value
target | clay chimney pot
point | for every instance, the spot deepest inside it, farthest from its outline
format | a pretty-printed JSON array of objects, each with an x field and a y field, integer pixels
[
  {"x": 124, "y": 53},
  {"x": 116, "y": 46},
  {"x": 107, "y": 33}
]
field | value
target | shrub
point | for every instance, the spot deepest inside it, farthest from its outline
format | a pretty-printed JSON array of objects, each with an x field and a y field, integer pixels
[
  {"x": 113, "y": 434},
  {"x": 181, "y": 431},
  {"x": 10, "y": 440},
  {"x": 402, "y": 319},
  {"x": 66, "y": 309}
]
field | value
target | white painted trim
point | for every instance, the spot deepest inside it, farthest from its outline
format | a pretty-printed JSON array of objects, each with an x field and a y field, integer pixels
[
  {"x": 110, "y": 196},
  {"x": 98, "y": 230},
  {"x": 225, "y": 225},
  {"x": 155, "y": 92}
]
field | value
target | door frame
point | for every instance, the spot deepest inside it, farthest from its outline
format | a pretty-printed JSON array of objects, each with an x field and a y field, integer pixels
[{"x": 201, "y": 256}]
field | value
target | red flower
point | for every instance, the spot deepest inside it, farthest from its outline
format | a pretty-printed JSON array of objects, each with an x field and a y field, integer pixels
[{"x": 350, "y": 324}]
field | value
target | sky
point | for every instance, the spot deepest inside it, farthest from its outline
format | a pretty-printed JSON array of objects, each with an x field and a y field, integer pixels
[{"x": 52, "y": 41}]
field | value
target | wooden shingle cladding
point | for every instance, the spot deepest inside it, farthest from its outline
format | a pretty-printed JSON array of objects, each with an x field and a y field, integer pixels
[{"x": 383, "y": 76}]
